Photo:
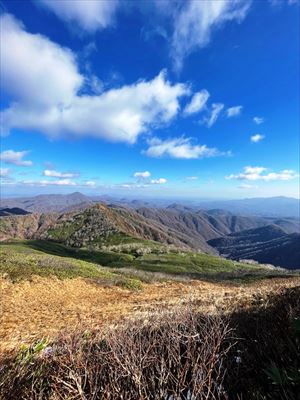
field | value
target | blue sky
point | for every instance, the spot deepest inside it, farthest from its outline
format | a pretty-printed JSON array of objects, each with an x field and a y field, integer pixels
[{"x": 192, "y": 99}]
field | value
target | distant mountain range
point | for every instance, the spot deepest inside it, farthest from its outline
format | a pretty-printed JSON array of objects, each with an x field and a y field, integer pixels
[
  {"x": 84, "y": 223},
  {"x": 267, "y": 207},
  {"x": 47, "y": 202},
  {"x": 263, "y": 207}
]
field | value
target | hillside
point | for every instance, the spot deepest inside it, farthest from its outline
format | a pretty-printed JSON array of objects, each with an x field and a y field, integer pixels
[
  {"x": 96, "y": 226},
  {"x": 212, "y": 223},
  {"x": 198, "y": 224},
  {"x": 101, "y": 225},
  {"x": 268, "y": 244}
]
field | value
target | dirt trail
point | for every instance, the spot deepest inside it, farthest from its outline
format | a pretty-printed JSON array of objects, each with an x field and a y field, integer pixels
[{"x": 46, "y": 306}]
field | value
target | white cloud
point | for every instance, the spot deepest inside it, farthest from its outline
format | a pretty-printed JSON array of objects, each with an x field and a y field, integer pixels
[
  {"x": 159, "y": 181},
  {"x": 258, "y": 120},
  {"x": 90, "y": 184},
  {"x": 57, "y": 174},
  {"x": 143, "y": 179},
  {"x": 142, "y": 175},
  {"x": 179, "y": 148},
  {"x": 257, "y": 138},
  {"x": 36, "y": 72},
  {"x": 195, "y": 21},
  {"x": 260, "y": 174},
  {"x": 234, "y": 111},
  {"x": 191, "y": 178},
  {"x": 197, "y": 103},
  {"x": 15, "y": 157},
  {"x": 214, "y": 114},
  {"x": 44, "y": 81},
  {"x": 131, "y": 185},
  {"x": 254, "y": 170},
  {"x": 60, "y": 182},
  {"x": 4, "y": 172},
  {"x": 91, "y": 15}
]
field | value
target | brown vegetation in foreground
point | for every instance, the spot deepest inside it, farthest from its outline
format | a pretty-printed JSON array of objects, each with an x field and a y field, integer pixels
[
  {"x": 251, "y": 354},
  {"x": 43, "y": 307}
]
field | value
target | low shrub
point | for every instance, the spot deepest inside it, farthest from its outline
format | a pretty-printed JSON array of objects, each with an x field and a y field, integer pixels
[
  {"x": 252, "y": 354},
  {"x": 177, "y": 355}
]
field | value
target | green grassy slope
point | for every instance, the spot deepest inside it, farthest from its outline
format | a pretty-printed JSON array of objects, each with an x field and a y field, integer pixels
[{"x": 23, "y": 259}]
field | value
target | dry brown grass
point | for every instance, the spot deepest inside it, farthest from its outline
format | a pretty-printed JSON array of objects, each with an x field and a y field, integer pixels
[
  {"x": 250, "y": 354},
  {"x": 44, "y": 307}
]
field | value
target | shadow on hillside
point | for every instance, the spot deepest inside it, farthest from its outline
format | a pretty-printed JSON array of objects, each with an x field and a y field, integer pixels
[
  {"x": 102, "y": 258},
  {"x": 171, "y": 268}
]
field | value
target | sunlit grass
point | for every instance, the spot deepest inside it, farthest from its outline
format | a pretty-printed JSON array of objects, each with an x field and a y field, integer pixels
[{"x": 23, "y": 259}]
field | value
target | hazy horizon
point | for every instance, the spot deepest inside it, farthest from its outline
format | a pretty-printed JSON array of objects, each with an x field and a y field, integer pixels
[{"x": 130, "y": 196}]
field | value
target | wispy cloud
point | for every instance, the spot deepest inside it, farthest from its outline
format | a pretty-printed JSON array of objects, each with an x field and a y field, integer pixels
[
  {"x": 4, "y": 172},
  {"x": 191, "y": 178},
  {"x": 159, "y": 181},
  {"x": 60, "y": 182},
  {"x": 142, "y": 175},
  {"x": 258, "y": 120},
  {"x": 90, "y": 15},
  {"x": 246, "y": 186},
  {"x": 214, "y": 114},
  {"x": 257, "y": 138},
  {"x": 57, "y": 174},
  {"x": 195, "y": 20},
  {"x": 197, "y": 102},
  {"x": 90, "y": 184},
  {"x": 130, "y": 185},
  {"x": 15, "y": 158},
  {"x": 234, "y": 111},
  {"x": 278, "y": 3},
  {"x": 261, "y": 174},
  {"x": 179, "y": 148}
]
